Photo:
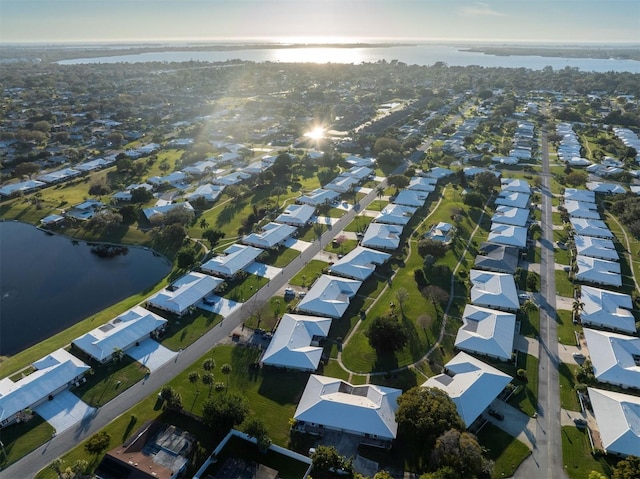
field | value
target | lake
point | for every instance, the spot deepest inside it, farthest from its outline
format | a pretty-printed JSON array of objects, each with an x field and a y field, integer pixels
[
  {"x": 48, "y": 283},
  {"x": 411, "y": 55}
]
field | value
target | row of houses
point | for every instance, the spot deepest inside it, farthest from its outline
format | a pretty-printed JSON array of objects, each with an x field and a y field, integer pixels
[{"x": 608, "y": 324}]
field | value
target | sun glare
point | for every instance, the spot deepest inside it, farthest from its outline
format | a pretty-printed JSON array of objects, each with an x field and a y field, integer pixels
[{"x": 315, "y": 134}]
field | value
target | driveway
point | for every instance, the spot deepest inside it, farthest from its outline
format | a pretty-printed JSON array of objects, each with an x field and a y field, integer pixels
[
  {"x": 325, "y": 220},
  {"x": 527, "y": 345},
  {"x": 151, "y": 354},
  {"x": 515, "y": 423},
  {"x": 263, "y": 270},
  {"x": 563, "y": 302},
  {"x": 64, "y": 411},
  {"x": 219, "y": 305},
  {"x": 565, "y": 353},
  {"x": 296, "y": 244}
]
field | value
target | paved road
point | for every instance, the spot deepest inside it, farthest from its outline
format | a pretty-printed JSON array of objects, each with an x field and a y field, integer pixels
[
  {"x": 29, "y": 465},
  {"x": 546, "y": 460}
]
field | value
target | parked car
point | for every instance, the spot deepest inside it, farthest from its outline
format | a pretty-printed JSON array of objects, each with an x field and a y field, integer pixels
[
  {"x": 580, "y": 422},
  {"x": 289, "y": 292},
  {"x": 578, "y": 356},
  {"x": 497, "y": 414}
]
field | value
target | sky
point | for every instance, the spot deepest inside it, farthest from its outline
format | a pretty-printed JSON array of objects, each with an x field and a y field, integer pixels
[{"x": 316, "y": 21}]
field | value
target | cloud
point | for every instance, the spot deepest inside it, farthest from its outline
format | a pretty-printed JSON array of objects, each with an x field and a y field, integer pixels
[{"x": 480, "y": 9}]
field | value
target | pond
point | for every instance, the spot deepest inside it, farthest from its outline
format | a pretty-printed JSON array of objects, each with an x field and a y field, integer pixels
[{"x": 49, "y": 282}]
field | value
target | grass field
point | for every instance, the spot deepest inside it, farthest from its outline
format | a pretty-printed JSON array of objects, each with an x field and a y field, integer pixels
[
  {"x": 566, "y": 328},
  {"x": 281, "y": 257},
  {"x": 564, "y": 286},
  {"x": 308, "y": 275},
  {"x": 506, "y": 452},
  {"x": 577, "y": 457},
  {"x": 568, "y": 394},
  {"x": 22, "y": 438}
]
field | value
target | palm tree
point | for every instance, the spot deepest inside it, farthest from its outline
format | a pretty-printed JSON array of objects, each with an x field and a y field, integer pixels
[
  {"x": 379, "y": 192},
  {"x": 226, "y": 370},
  {"x": 117, "y": 355},
  {"x": 278, "y": 190},
  {"x": 576, "y": 307},
  {"x": 207, "y": 379},
  {"x": 194, "y": 378},
  {"x": 208, "y": 364}
]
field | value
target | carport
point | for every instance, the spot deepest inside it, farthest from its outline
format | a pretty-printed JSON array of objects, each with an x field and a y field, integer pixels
[
  {"x": 219, "y": 305},
  {"x": 263, "y": 270},
  {"x": 151, "y": 354},
  {"x": 296, "y": 244},
  {"x": 64, "y": 411}
]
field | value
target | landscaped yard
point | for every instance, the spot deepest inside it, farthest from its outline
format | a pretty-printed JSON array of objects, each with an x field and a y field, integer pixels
[
  {"x": 280, "y": 258},
  {"x": 506, "y": 451},
  {"x": 243, "y": 288},
  {"x": 564, "y": 286},
  {"x": 22, "y": 438},
  {"x": 359, "y": 224},
  {"x": 308, "y": 275},
  {"x": 577, "y": 457},
  {"x": 184, "y": 331},
  {"x": 568, "y": 394},
  {"x": 565, "y": 327}
]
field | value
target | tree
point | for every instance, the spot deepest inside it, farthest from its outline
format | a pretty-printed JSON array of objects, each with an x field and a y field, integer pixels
[
  {"x": 427, "y": 246},
  {"x": 596, "y": 475},
  {"x": 399, "y": 181},
  {"x": 56, "y": 466},
  {"x": 255, "y": 428},
  {"x": 435, "y": 294},
  {"x": 423, "y": 414},
  {"x": 115, "y": 139},
  {"x": 402, "y": 295},
  {"x": 213, "y": 236},
  {"x": 576, "y": 178},
  {"x": 325, "y": 459},
  {"x": 99, "y": 188},
  {"x": 209, "y": 364},
  {"x": 532, "y": 281},
  {"x": 473, "y": 199},
  {"x": 124, "y": 164},
  {"x": 461, "y": 452},
  {"x": 141, "y": 195},
  {"x": 486, "y": 182},
  {"x": 387, "y": 334},
  {"x": 628, "y": 468},
  {"x": 225, "y": 411},
  {"x": 164, "y": 166},
  {"x": 117, "y": 355},
  {"x": 226, "y": 369},
  {"x": 27, "y": 168},
  {"x": 207, "y": 379},
  {"x": 576, "y": 307},
  {"x": 277, "y": 192},
  {"x": 185, "y": 257},
  {"x": 194, "y": 378},
  {"x": 282, "y": 165},
  {"x": 98, "y": 443},
  {"x": 204, "y": 224}
]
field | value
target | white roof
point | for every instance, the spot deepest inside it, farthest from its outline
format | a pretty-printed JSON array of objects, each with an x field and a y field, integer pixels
[
  {"x": 359, "y": 264},
  {"x": 514, "y": 184},
  {"x": 329, "y": 296},
  {"x": 357, "y": 161},
  {"x": 298, "y": 215},
  {"x": 119, "y": 333},
  {"x": 359, "y": 172},
  {"x": 618, "y": 418},
  {"x": 163, "y": 209},
  {"x": 607, "y": 309},
  {"x": 585, "y": 196},
  {"x": 231, "y": 178},
  {"x": 509, "y": 215},
  {"x": 208, "y": 192},
  {"x": 174, "y": 177},
  {"x": 494, "y": 290},
  {"x": 200, "y": 167},
  {"x": 342, "y": 184},
  {"x": 291, "y": 346},
  {"x": 487, "y": 331},
  {"x": 334, "y": 403},
  {"x": 318, "y": 197},
  {"x": 59, "y": 175},
  {"x": 411, "y": 198},
  {"x": 439, "y": 172},
  {"x": 185, "y": 292},
  {"x": 595, "y": 247},
  {"x": 608, "y": 188},
  {"x": 582, "y": 209},
  {"x": 272, "y": 235},
  {"x": 236, "y": 258},
  {"x": 598, "y": 271},
  {"x": 472, "y": 385},
  {"x": 395, "y": 214},
  {"x": 586, "y": 227},
  {"x": 421, "y": 183},
  {"x": 10, "y": 189},
  {"x": 53, "y": 372},
  {"x": 613, "y": 357},
  {"x": 382, "y": 236},
  {"x": 510, "y": 198},
  {"x": 508, "y": 235}
]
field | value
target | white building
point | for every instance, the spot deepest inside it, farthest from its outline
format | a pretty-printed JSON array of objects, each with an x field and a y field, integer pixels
[
  {"x": 595, "y": 228},
  {"x": 511, "y": 216},
  {"x": 382, "y": 236},
  {"x": 366, "y": 410},
  {"x": 487, "y": 332},
  {"x": 236, "y": 258},
  {"x": 607, "y": 309},
  {"x": 393, "y": 214},
  {"x": 295, "y": 344},
  {"x": 600, "y": 248},
  {"x": 615, "y": 357},
  {"x": 296, "y": 215},
  {"x": 329, "y": 296},
  {"x": 508, "y": 235},
  {"x": 494, "y": 290},
  {"x": 184, "y": 293},
  {"x": 359, "y": 264},
  {"x": 120, "y": 333},
  {"x": 318, "y": 197},
  {"x": 598, "y": 271},
  {"x": 271, "y": 236},
  {"x": 415, "y": 198},
  {"x": 471, "y": 384},
  {"x": 617, "y": 417}
]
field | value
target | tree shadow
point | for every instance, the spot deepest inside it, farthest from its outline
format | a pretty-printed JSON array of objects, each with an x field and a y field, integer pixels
[{"x": 229, "y": 212}]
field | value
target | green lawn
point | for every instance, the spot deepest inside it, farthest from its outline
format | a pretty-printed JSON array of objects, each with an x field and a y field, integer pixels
[
  {"x": 22, "y": 438},
  {"x": 243, "y": 288},
  {"x": 307, "y": 275},
  {"x": 506, "y": 451},
  {"x": 568, "y": 394},
  {"x": 530, "y": 324},
  {"x": 564, "y": 286},
  {"x": 280, "y": 258},
  {"x": 377, "y": 205},
  {"x": 342, "y": 246},
  {"x": 313, "y": 232},
  {"x": 109, "y": 380},
  {"x": 359, "y": 224},
  {"x": 186, "y": 330},
  {"x": 566, "y": 328},
  {"x": 577, "y": 457},
  {"x": 271, "y": 394},
  {"x": 562, "y": 256},
  {"x": 334, "y": 370}
]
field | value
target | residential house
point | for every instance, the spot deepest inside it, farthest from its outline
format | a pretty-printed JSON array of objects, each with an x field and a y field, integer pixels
[
  {"x": 494, "y": 290},
  {"x": 359, "y": 264},
  {"x": 393, "y": 214},
  {"x": 487, "y": 332},
  {"x": 496, "y": 257},
  {"x": 382, "y": 236},
  {"x": 595, "y": 247},
  {"x": 511, "y": 216},
  {"x": 296, "y": 342},
  {"x": 595, "y": 228},
  {"x": 598, "y": 271},
  {"x": 329, "y": 296},
  {"x": 615, "y": 357},
  {"x": 617, "y": 417},
  {"x": 317, "y": 197},
  {"x": 296, "y": 215},
  {"x": 508, "y": 235},
  {"x": 414, "y": 198},
  {"x": 185, "y": 293},
  {"x": 271, "y": 236},
  {"x": 236, "y": 258},
  {"x": 607, "y": 309},
  {"x": 164, "y": 209}
]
